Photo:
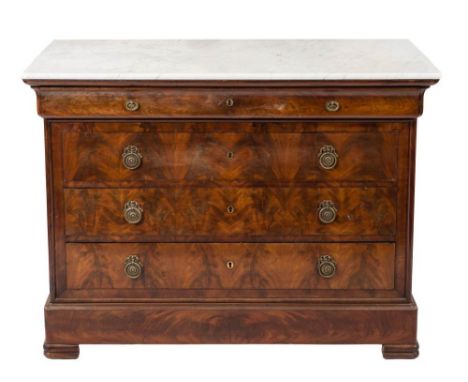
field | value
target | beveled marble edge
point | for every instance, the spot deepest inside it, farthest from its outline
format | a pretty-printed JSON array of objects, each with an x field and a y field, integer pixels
[{"x": 221, "y": 60}]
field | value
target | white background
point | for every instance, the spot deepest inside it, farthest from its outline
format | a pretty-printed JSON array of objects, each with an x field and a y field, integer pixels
[{"x": 438, "y": 28}]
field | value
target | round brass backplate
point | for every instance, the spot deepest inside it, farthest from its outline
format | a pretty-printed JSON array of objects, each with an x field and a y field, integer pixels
[
  {"x": 133, "y": 267},
  {"x": 328, "y": 158},
  {"x": 131, "y": 105},
  {"x": 326, "y": 266},
  {"x": 131, "y": 157},
  {"x": 332, "y": 106},
  {"x": 133, "y": 213},
  {"x": 327, "y": 212}
]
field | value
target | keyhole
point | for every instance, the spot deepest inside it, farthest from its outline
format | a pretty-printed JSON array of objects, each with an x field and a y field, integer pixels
[
  {"x": 230, "y": 155},
  {"x": 230, "y": 264},
  {"x": 230, "y": 209}
]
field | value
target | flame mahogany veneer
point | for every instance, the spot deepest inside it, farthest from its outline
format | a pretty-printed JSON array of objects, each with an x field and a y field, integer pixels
[{"x": 229, "y": 186}]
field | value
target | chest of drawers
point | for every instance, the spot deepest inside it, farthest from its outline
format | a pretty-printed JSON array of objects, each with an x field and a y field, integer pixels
[{"x": 230, "y": 191}]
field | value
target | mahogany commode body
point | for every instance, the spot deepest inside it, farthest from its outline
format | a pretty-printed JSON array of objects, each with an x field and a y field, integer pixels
[{"x": 230, "y": 211}]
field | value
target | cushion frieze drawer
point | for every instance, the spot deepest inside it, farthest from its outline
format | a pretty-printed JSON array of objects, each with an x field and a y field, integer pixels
[
  {"x": 222, "y": 268},
  {"x": 228, "y": 103},
  {"x": 230, "y": 214},
  {"x": 214, "y": 153}
]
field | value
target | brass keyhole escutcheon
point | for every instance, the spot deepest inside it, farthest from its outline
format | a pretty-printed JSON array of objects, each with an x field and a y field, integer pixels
[
  {"x": 230, "y": 209},
  {"x": 230, "y": 155},
  {"x": 229, "y": 102},
  {"x": 229, "y": 264}
]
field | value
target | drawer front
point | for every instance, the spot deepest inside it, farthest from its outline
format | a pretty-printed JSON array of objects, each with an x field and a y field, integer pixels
[
  {"x": 213, "y": 153},
  {"x": 230, "y": 214},
  {"x": 228, "y": 102},
  {"x": 364, "y": 266}
]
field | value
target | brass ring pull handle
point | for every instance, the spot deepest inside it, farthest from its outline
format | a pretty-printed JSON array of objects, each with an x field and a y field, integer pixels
[
  {"x": 327, "y": 212},
  {"x": 133, "y": 267},
  {"x": 332, "y": 106},
  {"x": 229, "y": 102},
  {"x": 326, "y": 266},
  {"x": 131, "y": 157},
  {"x": 131, "y": 105},
  {"x": 133, "y": 213},
  {"x": 328, "y": 158}
]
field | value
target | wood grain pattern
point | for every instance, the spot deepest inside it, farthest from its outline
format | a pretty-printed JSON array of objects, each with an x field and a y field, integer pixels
[
  {"x": 231, "y": 323},
  {"x": 211, "y": 102},
  {"x": 201, "y": 214},
  {"x": 197, "y": 153},
  {"x": 256, "y": 266},
  {"x": 272, "y": 295}
]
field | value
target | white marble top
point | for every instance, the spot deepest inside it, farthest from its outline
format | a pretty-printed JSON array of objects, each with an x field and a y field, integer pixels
[{"x": 231, "y": 60}]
